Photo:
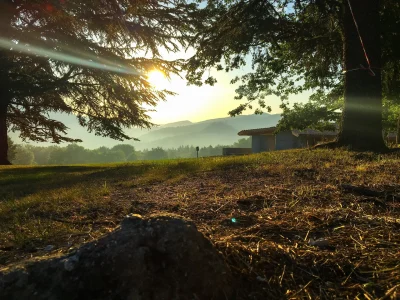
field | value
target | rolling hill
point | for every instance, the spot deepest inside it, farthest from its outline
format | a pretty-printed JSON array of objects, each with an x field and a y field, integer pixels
[{"x": 222, "y": 131}]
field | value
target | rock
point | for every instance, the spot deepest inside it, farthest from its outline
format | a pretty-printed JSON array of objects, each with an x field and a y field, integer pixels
[
  {"x": 71, "y": 262},
  {"x": 161, "y": 257},
  {"x": 49, "y": 248},
  {"x": 322, "y": 243}
]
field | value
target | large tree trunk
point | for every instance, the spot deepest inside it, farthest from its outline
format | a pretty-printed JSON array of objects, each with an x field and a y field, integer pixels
[
  {"x": 362, "y": 115},
  {"x": 4, "y": 102},
  {"x": 3, "y": 134},
  {"x": 7, "y": 11},
  {"x": 398, "y": 132}
]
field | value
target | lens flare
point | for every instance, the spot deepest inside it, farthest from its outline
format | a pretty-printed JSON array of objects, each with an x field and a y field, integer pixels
[
  {"x": 157, "y": 79},
  {"x": 67, "y": 58}
]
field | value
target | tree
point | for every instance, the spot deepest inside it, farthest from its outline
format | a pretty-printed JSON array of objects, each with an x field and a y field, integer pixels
[
  {"x": 113, "y": 156},
  {"x": 242, "y": 143},
  {"x": 86, "y": 58},
  {"x": 23, "y": 156},
  {"x": 391, "y": 120},
  {"x": 57, "y": 156},
  {"x": 12, "y": 149},
  {"x": 309, "y": 115},
  {"x": 41, "y": 154},
  {"x": 128, "y": 150},
  {"x": 133, "y": 156},
  {"x": 318, "y": 115},
  {"x": 337, "y": 48},
  {"x": 156, "y": 153},
  {"x": 75, "y": 154}
]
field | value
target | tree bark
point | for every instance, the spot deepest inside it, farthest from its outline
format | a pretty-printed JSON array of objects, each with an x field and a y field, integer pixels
[
  {"x": 7, "y": 11},
  {"x": 3, "y": 135},
  {"x": 361, "y": 127},
  {"x": 398, "y": 131}
]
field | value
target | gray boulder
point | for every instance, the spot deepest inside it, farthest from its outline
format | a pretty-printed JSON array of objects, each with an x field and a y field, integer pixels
[{"x": 161, "y": 257}]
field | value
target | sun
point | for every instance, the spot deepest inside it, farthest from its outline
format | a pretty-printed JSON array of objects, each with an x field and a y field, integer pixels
[{"x": 157, "y": 79}]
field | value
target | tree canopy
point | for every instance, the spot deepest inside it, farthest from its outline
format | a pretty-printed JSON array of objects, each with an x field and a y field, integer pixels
[
  {"x": 12, "y": 149},
  {"x": 345, "y": 51},
  {"x": 76, "y": 154},
  {"x": 87, "y": 58}
]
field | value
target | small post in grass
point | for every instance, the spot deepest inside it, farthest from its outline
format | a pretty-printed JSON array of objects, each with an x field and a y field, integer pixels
[{"x": 197, "y": 150}]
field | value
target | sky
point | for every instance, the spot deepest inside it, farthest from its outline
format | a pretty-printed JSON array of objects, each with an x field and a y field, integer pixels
[
  {"x": 191, "y": 103},
  {"x": 196, "y": 104}
]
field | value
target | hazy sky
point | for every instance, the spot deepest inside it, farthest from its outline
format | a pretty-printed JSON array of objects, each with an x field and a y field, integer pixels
[
  {"x": 195, "y": 103},
  {"x": 191, "y": 103}
]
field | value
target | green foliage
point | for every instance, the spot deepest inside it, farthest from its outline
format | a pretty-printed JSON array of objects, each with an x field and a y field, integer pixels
[
  {"x": 309, "y": 115},
  {"x": 41, "y": 154},
  {"x": 113, "y": 156},
  {"x": 242, "y": 143},
  {"x": 56, "y": 156},
  {"x": 155, "y": 153},
  {"x": 322, "y": 115},
  {"x": 210, "y": 151},
  {"x": 292, "y": 46},
  {"x": 88, "y": 59},
  {"x": 128, "y": 150},
  {"x": 23, "y": 156},
  {"x": 12, "y": 149},
  {"x": 75, "y": 154},
  {"x": 391, "y": 116}
]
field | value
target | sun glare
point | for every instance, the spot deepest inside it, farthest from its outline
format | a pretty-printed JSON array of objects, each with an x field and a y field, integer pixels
[{"x": 157, "y": 79}]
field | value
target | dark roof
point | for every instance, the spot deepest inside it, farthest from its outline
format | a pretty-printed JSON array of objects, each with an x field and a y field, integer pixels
[
  {"x": 312, "y": 132},
  {"x": 271, "y": 131},
  {"x": 392, "y": 136},
  {"x": 258, "y": 131}
]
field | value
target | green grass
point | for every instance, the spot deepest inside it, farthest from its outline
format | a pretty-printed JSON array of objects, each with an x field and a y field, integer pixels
[{"x": 291, "y": 196}]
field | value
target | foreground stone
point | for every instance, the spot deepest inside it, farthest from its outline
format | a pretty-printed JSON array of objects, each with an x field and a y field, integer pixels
[{"x": 162, "y": 257}]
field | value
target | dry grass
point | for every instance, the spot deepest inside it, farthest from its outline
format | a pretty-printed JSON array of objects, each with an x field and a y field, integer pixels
[{"x": 260, "y": 211}]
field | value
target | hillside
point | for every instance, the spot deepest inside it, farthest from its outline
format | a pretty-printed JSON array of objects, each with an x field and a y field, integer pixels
[
  {"x": 215, "y": 133},
  {"x": 170, "y": 135},
  {"x": 294, "y": 224},
  {"x": 90, "y": 140},
  {"x": 205, "y": 133},
  {"x": 176, "y": 124}
]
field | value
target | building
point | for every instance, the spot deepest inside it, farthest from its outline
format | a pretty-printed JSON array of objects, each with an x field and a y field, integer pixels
[
  {"x": 236, "y": 151},
  {"x": 392, "y": 138},
  {"x": 265, "y": 139}
]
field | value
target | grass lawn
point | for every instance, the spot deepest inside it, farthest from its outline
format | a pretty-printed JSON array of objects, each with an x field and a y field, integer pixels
[{"x": 260, "y": 211}]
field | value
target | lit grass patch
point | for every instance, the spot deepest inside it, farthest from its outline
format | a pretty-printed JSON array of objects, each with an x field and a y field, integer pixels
[
  {"x": 279, "y": 200},
  {"x": 49, "y": 217}
]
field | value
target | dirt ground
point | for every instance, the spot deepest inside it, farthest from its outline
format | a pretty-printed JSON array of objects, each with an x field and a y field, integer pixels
[{"x": 296, "y": 226}]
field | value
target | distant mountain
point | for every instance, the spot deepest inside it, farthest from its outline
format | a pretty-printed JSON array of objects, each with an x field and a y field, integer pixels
[
  {"x": 249, "y": 121},
  {"x": 176, "y": 124},
  {"x": 166, "y": 131},
  {"x": 219, "y": 128},
  {"x": 213, "y": 134},
  {"x": 222, "y": 131},
  {"x": 90, "y": 140}
]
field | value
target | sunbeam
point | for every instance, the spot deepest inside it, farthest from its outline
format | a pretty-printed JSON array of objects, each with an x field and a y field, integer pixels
[{"x": 35, "y": 50}]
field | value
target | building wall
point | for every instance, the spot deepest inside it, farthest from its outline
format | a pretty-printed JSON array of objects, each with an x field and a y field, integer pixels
[
  {"x": 256, "y": 143},
  {"x": 270, "y": 142},
  {"x": 286, "y": 140},
  {"x": 236, "y": 151},
  {"x": 261, "y": 143}
]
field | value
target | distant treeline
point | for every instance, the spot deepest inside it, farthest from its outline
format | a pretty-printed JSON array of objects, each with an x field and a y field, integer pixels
[{"x": 75, "y": 154}]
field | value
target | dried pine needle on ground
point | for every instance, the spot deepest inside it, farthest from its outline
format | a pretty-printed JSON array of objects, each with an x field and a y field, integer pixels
[{"x": 294, "y": 224}]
